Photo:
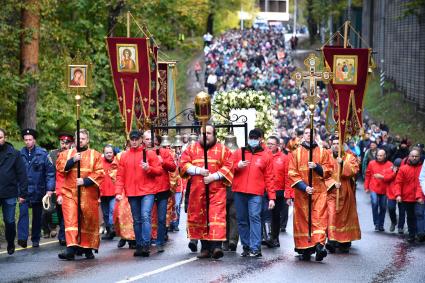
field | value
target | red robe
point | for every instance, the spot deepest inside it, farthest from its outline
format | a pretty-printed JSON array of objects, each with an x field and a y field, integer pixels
[
  {"x": 343, "y": 220},
  {"x": 219, "y": 160},
  {"x": 298, "y": 172},
  {"x": 91, "y": 167}
]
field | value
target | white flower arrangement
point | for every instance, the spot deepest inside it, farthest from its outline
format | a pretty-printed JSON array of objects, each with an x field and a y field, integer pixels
[{"x": 225, "y": 101}]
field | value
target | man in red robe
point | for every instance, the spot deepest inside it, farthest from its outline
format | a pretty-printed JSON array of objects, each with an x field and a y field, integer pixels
[
  {"x": 211, "y": 231},
  {"x": 298, "y": 171},
  {"x": 91, "y": 178},
  {"x": 343, "y": 225}
]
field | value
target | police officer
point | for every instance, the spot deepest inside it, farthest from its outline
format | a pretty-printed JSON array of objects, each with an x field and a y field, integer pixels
[{"x": 41, "y": 179}]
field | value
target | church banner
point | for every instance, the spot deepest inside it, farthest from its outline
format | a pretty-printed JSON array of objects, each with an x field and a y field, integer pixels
[
  {"x": 163, "y": 93},
  {"x": 129, "y": 61},
  {"x": 347, "y": 88}
]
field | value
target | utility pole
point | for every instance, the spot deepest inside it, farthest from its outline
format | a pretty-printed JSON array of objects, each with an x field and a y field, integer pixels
[
  {"x": 382, "y": 45},
  {"x": 295, "y": 17}
]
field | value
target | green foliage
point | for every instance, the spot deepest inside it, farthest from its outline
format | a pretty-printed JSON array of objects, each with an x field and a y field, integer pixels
[
  {"x": 389, "y": 108},
  {"x": 81, "y": 25}
]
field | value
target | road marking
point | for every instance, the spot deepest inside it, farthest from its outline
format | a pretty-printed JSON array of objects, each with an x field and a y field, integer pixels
[
  {"x": 156, "y": 271},
  {"x": 41, "y": 244}
]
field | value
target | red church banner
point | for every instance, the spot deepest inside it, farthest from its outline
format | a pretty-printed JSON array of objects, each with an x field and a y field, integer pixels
[
  {"x": 129, "y": 61},
  {"x": 163, "y": 93},
  {"x": 347, "y": 88}
]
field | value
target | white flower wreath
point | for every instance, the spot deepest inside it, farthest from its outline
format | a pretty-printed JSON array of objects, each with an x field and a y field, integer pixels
[{"x": 225, "y": 101}]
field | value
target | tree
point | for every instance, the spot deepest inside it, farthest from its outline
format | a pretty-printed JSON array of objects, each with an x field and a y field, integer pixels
[{"x": 30, "y": 36}]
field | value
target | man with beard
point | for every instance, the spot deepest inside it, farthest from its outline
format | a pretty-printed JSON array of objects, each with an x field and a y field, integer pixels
[
  {"x": 343, "y": 221},
  {"x": 375, "y": 184},
  {"x": 298, "y": 172},
  {"x": 211, "y": 231},
  {"x": 90, "y": 179},
  {"x": 407, "y": 190}
]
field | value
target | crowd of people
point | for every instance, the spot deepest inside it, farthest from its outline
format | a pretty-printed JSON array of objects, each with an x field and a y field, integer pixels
[{"x": 237, "y": 195}]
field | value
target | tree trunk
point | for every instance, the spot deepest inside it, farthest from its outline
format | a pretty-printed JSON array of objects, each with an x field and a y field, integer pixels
[
  {"x": 30, "y": 39},
  {"x": 114, "y": 12},
  {"x": 312, "y": 26},
  {"x": 210, "y": 23}
]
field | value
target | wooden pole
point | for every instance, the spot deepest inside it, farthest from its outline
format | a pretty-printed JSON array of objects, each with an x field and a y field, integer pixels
[
  {"x": 128, "y": 24},
  {"x": 346, "y": 25}
]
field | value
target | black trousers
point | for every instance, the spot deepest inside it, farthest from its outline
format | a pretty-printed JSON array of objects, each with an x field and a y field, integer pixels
[
  {"x": 276, "y": 214},
  {"x": 231, "y": 223},
  {"x": 411, "y": 217},
  {"x": 210, "y": 245}
]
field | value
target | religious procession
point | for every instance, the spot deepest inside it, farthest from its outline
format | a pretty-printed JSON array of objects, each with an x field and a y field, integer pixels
[{"x": 282, "y": 143}]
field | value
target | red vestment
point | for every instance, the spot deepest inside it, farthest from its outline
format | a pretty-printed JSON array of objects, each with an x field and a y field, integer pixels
[
  {"x": 343, "y": 223},
  {"x": 91, "y": 168},
  {"x": 219, "y": 160},
  {"x": 298, "y": 172}
]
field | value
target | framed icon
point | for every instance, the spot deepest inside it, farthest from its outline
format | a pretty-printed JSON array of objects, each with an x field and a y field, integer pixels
[
  {"x": 77, "y": 76},
  {"x": 127, "y": 58},
  {"x": 345, "y": 69}
]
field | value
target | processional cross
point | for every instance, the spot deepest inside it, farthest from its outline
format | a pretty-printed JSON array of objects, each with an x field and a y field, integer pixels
[{"x": 313, "y": 75}]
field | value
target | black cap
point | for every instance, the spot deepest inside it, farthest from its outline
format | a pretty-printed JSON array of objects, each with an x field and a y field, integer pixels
[
  {"x": 29, "y": 131},
  {"x": 397, "y": 162},
  {"x": 254, "y": 134},
  {"x": 134, "y": 134}
]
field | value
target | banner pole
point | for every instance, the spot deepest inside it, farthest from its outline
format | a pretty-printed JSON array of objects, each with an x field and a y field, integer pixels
[{"x": 128, "y": 24}]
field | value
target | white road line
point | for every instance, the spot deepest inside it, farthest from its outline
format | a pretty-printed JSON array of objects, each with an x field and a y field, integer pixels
[{"x": 159, "y": 270}]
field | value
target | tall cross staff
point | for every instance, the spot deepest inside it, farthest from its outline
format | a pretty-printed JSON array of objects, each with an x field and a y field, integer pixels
[
  {"x": 312, "y": 75},
  {"x": 78, "y": 79}
]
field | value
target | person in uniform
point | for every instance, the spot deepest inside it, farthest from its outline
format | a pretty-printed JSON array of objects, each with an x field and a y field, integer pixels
[{"x": 41, "y": 181}]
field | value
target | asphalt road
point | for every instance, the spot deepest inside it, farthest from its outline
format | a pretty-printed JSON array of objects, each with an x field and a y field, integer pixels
[{"x": 378, "y": 257}]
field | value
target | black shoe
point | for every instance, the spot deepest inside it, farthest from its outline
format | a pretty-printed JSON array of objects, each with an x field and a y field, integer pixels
[
  {"x": 255, "y": 254},
  {"x": 193, "y": 246},
  {"x": 176, "y": 229},
  {"x": 68, "y": 254},
  {"x": 283, "y": 230},
  {"x": 35, "y": 244},
  {"x": 321, "y": 252},
  {"x": 217, "y": 253},
  {"x": 121, "y": 243},
  {"x": 245, "y": 252},
  {"x": 381, "y": 229},
  {"x": 275, "y": 243},
  {"x": 89, "y": 254},
  {"x": 330, "y": 247},
  {"x": 344, "y": 249},
  {"x": 400, "y": 231},
  {"x": 226, "y": 246},
  {"x": 145, "y": 251},
  {"x": 306, "y": 256},
  {"x": 138, "y": 251},
  {"x": 132, "y": 245},
  {"x": 376, "y": 228},
  {"x": 10, "y": 248},
  {"x": 22, "y": 243},
  {"x": 62, "y": 243},
  {"x": 204, "y": 254},
  {"x": 79, "y": 251},
  {"x": 232, "y": 246}
]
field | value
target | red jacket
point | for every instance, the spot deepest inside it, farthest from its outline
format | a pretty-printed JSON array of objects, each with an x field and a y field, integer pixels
[
  {"x": 389, "y": 179},
  {"x": 131, "y": 177},
  {"x": 168, "y": 165},
  {"x": 107, "y": 188},
  {"x": 257, "y": 177},
  {"x": 374, "y": 184},
  {"x": 280, "y": 170},
  {"x": 407, "y": 183}
]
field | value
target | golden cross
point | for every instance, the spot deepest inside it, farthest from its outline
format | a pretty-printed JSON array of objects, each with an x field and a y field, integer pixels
[
  {"x": 215, "y": 151},
  {"x": 214, "y": 233},
  {"x": 313, "y": 76},
  {"x": 215, "y": 217}
]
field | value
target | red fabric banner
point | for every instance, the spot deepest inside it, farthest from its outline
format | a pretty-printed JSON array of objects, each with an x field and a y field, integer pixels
[
  {"x": 129, "y": 61},
  {"x": 347, "y": 88},
  {"x": 163, "y": 93}
]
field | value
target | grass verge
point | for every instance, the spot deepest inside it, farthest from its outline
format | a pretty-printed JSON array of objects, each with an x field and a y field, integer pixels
[{"x": 391, "y": 109}]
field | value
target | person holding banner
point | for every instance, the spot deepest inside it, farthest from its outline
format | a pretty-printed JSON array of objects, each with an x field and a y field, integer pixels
[
  {"x": 207, "y": 224},
  {"x": 91, "y": 178},
  {"x": 136, "y": 177},
  {"x": 343, "y": 226},
  {"x": 307, "y": 243}
]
